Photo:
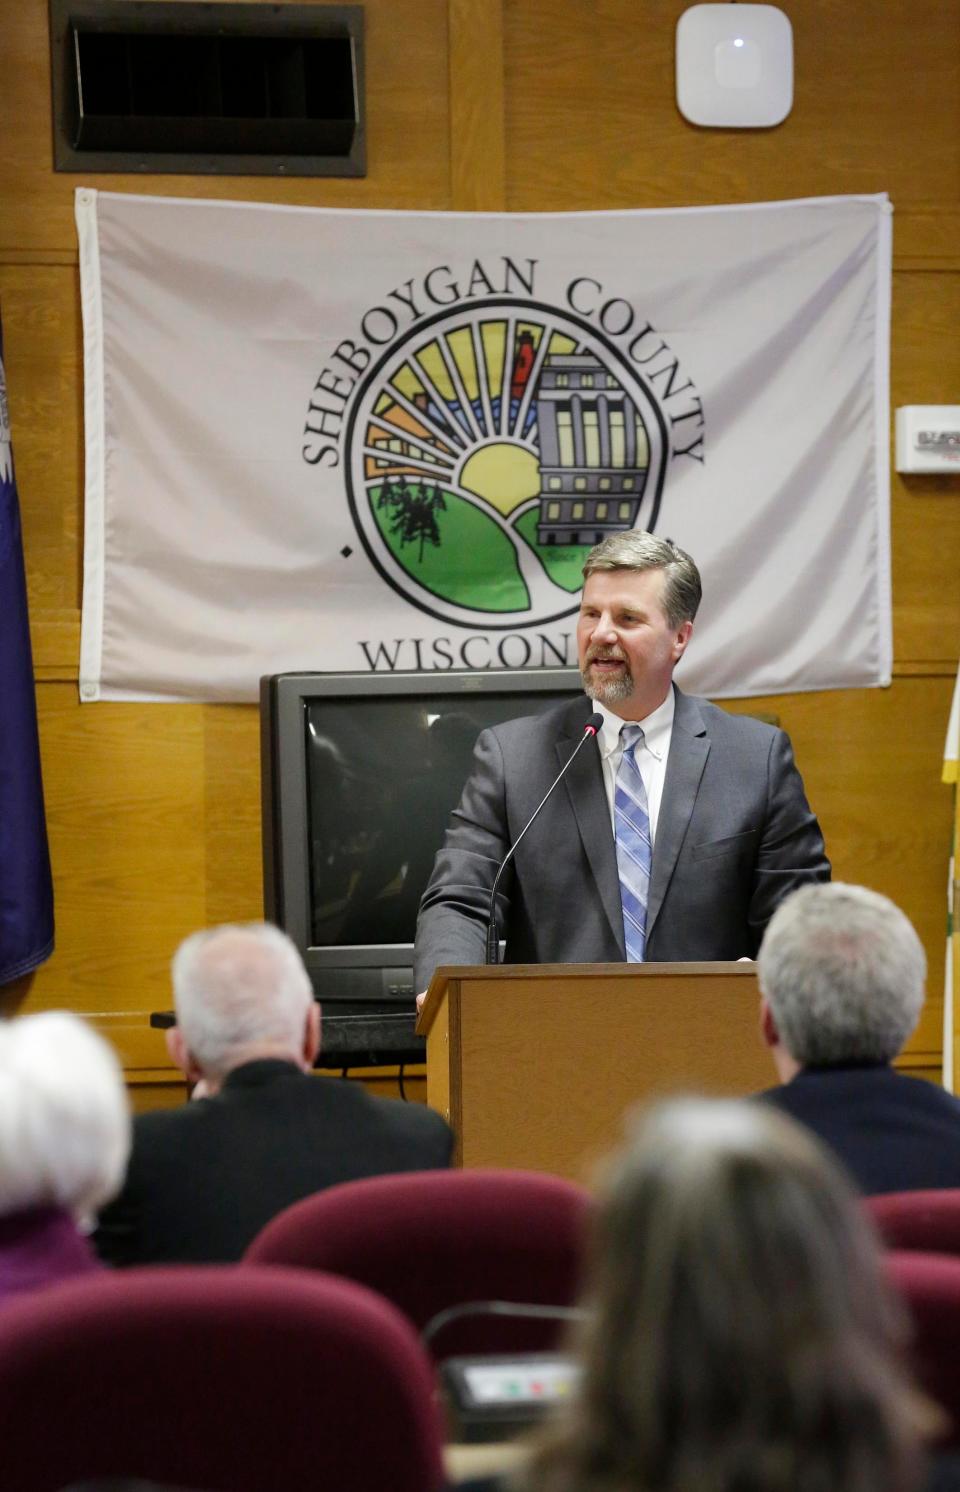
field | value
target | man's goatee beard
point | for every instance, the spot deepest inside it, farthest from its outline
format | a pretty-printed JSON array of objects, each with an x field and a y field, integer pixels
[{"x": 607, "y": 691}]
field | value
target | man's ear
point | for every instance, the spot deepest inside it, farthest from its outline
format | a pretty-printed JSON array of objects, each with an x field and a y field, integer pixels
[
  {"x": 682, "y": 638},
  {"x": 180, "y": 1055},
  {"x": 768, "y": 1026},
  {"x": 311, "y": 1035}
]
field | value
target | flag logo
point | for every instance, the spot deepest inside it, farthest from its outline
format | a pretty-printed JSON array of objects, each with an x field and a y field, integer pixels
[{"x": 489, "y": 449}]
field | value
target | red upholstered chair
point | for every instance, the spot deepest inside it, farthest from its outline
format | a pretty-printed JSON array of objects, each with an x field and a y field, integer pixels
[
  {"x": 929, "y": 1221},
  {"x": 930, "y": 1285},
  {"x": 222, "y": 1377},
  {"x": 435, "y": 1239}
]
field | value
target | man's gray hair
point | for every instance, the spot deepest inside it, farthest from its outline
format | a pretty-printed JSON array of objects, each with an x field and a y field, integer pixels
[
  {"x": 843, "y": 972},
  {"x": 636, "y": 550},
  {"x": 239, "y": 987},
  {"x": 64, "y": 1115}
]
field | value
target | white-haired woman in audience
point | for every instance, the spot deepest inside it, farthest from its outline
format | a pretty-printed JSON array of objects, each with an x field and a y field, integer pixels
[
  {"x": 741, "y": 1337},
  {"x": 64, "y": 1142}
]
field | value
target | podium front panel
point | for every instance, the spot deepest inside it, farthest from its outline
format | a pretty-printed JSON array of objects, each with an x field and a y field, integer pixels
[{"x": 538, "y": 1066}]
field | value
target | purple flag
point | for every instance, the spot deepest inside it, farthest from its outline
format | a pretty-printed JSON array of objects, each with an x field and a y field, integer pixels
[{"x": 26, "y": 889}]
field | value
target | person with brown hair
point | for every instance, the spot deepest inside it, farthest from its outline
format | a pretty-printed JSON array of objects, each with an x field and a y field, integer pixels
[
  {"x": 740, "y": 1336},
  {"x": 674, "y": 838}
]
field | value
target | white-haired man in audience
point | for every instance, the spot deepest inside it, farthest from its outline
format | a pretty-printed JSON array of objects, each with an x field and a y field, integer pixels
[
  {"x": 841, "y": 974},
  {"x": 205, "y": 1178},
  {"x": 64, "y": 1142}
]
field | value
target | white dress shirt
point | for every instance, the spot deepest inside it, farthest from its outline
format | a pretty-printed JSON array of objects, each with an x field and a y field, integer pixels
[{"x": 651, "y": 757}]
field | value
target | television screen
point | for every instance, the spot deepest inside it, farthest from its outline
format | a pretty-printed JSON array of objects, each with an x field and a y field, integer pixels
[
  {"x": 360, "y": 774},
  {"x": 382, "y": 776}
]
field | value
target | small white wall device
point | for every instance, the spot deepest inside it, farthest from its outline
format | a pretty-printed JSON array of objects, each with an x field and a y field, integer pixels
[
  {"x": 734, "y": 66},
  {"x": 928, "y": 438}
]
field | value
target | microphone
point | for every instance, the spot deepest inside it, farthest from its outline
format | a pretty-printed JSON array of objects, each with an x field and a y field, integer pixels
[{"x": 493, "y": 940}]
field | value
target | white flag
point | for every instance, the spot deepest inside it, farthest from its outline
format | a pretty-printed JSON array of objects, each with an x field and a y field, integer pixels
[{"x": 357, "y": 441}]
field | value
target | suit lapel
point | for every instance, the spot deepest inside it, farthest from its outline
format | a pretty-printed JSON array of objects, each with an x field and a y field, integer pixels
[
  {"x": 689, "y": 749},
  {"x": 584, "y": 786}
]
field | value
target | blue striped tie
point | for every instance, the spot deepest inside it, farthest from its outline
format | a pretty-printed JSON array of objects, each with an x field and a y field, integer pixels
[{"x": 631, "y": 827}]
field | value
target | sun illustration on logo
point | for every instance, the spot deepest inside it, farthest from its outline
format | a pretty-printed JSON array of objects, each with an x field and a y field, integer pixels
[{"x": 489, "y": 450}]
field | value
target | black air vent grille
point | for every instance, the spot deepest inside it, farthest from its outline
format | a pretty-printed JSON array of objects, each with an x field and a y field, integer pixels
[{"x": 208, "y": 87}]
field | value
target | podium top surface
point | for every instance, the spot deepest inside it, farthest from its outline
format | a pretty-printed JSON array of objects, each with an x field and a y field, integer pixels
[{"x": 542, "y": 973}]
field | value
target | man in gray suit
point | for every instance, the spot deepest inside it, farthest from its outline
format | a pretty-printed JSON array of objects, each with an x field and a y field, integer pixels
[{"x": 724, "y": 821}]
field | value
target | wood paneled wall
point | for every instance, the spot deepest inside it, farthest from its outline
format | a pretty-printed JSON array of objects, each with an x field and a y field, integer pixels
[{"x": 486, "y": 105}]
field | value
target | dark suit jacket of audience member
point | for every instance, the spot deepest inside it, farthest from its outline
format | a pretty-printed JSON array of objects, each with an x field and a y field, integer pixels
[
  {"x": 205, "y": 1178},
  {"x": 893, "y": 1133}
]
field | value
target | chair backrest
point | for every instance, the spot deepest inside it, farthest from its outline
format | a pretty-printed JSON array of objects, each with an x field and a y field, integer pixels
[
  {"x": 930, "y": 1285},
  {"x": 227, "y": 1378},
  {"x": 435, "y": 1239},
  {"x": 925, "y": 1220}
]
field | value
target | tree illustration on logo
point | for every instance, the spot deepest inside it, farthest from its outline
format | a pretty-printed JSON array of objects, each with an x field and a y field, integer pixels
[{"x": 413, "y": 513}]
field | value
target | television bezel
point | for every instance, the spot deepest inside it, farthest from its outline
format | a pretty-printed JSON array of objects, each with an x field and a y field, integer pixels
[{"x": 285, "y": 839}]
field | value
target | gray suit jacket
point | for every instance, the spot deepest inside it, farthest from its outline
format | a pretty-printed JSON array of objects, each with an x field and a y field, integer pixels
[{"x": 735, "y": 835}]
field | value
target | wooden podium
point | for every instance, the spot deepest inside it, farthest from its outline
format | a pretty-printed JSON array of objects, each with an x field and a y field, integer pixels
[{"x": 535, "y": 1065}]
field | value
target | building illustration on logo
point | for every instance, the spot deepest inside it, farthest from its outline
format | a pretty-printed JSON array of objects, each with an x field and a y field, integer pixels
[
  {"x": 489, "y": 449},
  {"x": 593, "y": 456}
]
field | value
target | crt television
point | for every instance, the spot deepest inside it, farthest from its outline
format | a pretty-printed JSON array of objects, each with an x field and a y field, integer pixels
[{"x": 359, "y": 775}]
